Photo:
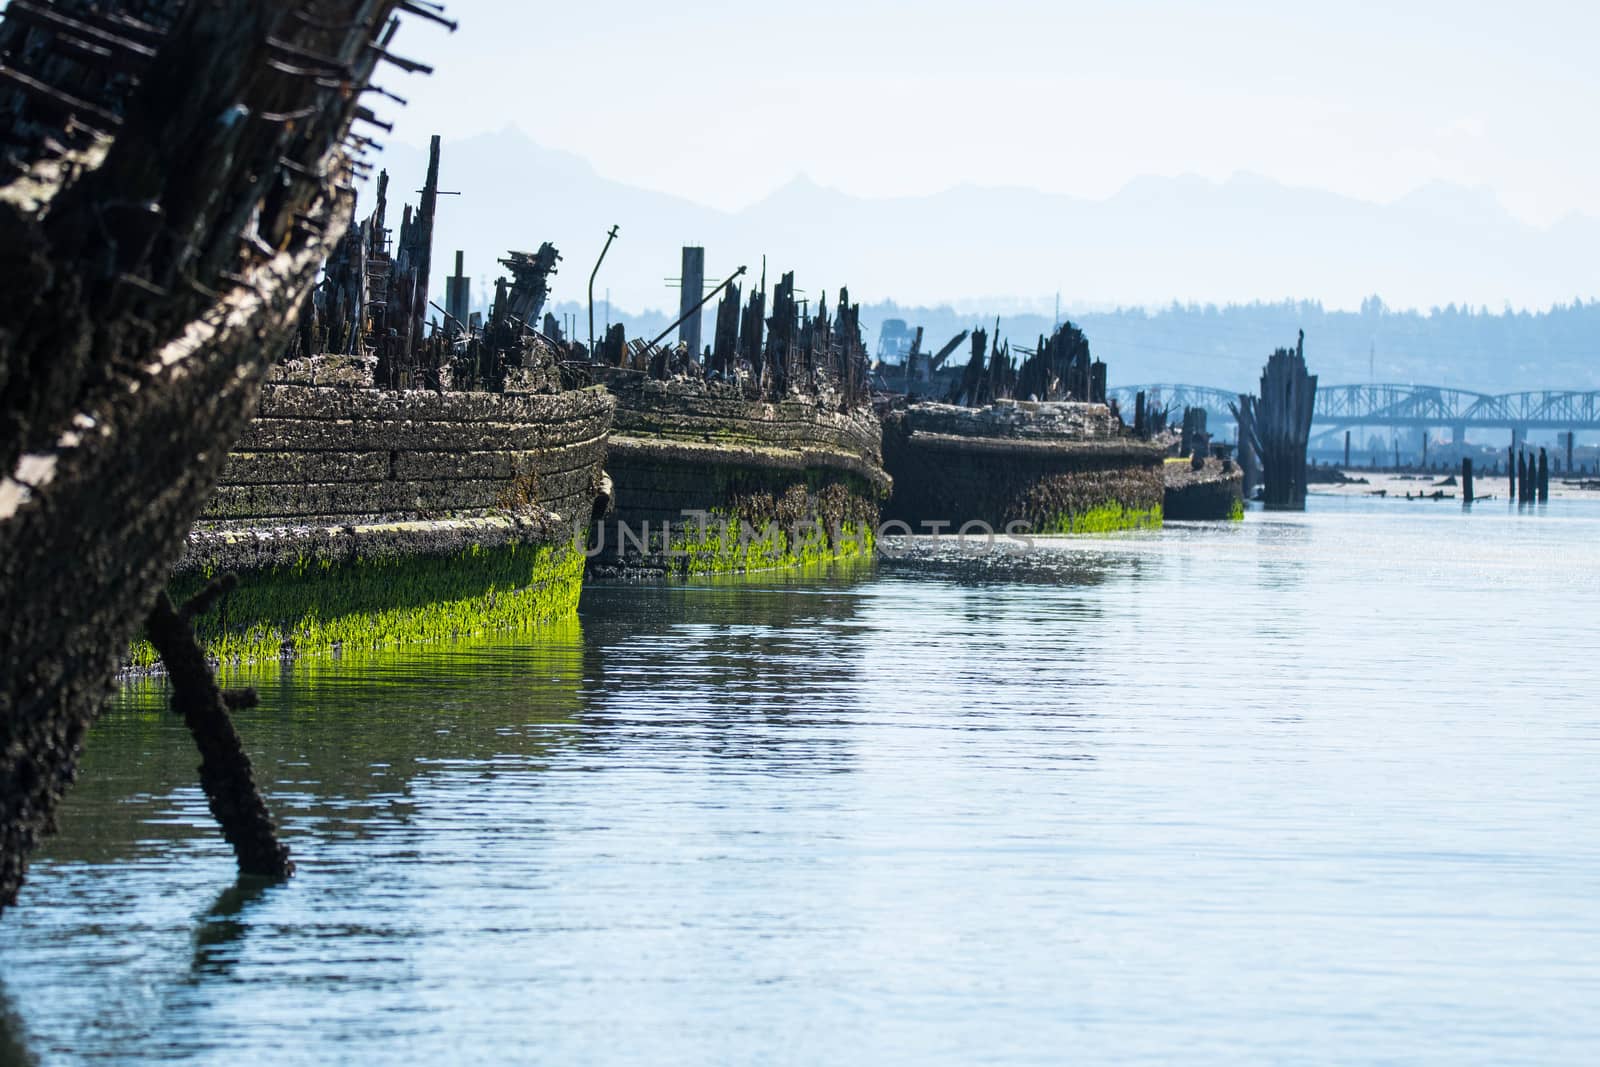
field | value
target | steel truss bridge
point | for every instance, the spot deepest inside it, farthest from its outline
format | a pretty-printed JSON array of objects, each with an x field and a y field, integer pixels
[{"x": 1341, "y": 407}]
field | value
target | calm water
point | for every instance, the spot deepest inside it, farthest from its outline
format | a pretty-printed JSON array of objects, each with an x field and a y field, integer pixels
[{"x": 1320, "y": 788}]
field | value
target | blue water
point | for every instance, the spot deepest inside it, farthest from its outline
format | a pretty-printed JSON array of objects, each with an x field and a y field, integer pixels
[{"x": 1320, "y": 788}]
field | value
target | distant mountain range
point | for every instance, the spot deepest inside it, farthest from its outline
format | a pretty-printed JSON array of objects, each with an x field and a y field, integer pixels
[
  {"x": 1000, "y": 250},
  {"x": 1156, "y": 241}
]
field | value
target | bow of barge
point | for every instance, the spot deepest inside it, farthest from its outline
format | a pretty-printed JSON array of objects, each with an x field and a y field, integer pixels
[
  {"x": 401, "y": 481},
  {"x": 761, "y": 452}
]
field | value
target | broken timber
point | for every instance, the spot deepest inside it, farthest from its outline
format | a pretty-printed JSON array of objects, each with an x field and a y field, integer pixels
[{"x": 1278, "y": 423}]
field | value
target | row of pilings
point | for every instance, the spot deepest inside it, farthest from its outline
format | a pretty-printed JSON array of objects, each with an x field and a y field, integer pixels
[{"x": 1528, "y": 476}]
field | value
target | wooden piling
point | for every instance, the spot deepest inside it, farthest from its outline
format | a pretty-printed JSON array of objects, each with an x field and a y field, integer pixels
[
  {"x": 691, "y": 288},
  {"x": 1347, "y": 448},
  {"x": 1466, "y": 481},
  {"x": 1249, "y": 461},
  {"x": 1194, "y": 432},
  {"x": 1280, "y": 424},
  {"x": 1544, "y": 477}
]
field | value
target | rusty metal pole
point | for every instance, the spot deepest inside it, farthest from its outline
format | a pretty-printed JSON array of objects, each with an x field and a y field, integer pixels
[{"x": 612, "y": 236}]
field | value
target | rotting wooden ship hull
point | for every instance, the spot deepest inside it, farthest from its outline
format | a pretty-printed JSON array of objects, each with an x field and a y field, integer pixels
[
  {"x": 358, "y": 517},
  {"x": 173, "y": 186},
  {"x": 1040, "y": 468},
  {"x": 705, "y": 480},
  {"x": 361, "y": 511},
  {"x": 1213, "y": 493},
  {"x": 766, "y": 453}
]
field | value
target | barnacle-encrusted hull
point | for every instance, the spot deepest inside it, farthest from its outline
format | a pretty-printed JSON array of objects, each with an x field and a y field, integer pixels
[
  {"x": 360, "y": 518},
  {"x": 1215, "y": 491},
  {"x": 705, "y": 481},
  {"x": 1062, "y": 467}
]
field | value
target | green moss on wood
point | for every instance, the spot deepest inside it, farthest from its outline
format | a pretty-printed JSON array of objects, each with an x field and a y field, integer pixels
[
  {"x": 317, "y": 605},
  {"x": 725, "y": 544},
  {"x": 1110, "y": 517}
]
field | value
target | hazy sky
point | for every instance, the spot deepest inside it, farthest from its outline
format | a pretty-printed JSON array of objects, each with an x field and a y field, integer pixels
[{"x": 722, "y": 102}]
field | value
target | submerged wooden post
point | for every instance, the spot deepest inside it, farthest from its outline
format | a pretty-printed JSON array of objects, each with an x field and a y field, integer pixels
[
  {"x": 225, "y": 772},
  {"x": 1544, "y": 477},
  {"x": 1511, "y": 472},
  {"x": 1466, "y": 481},
  {"x": 1347, "y": 448}
]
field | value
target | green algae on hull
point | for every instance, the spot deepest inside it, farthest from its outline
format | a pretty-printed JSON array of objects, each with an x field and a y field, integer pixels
[
  {"x": 724, "y": 545},
  {"x": 315, "y": 606},
  {"x": 1111, "y": 517}
]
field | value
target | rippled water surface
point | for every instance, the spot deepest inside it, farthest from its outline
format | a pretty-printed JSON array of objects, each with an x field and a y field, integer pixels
[{"x": 1322, "y": 787}]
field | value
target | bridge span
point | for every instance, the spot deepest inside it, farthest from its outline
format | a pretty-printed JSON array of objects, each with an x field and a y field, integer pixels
[{"x": 1342, "y": 407}]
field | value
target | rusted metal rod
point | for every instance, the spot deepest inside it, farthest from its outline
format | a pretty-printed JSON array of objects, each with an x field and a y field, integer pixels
[
  {"x": 729, "y": 280},
  {"x": 612, "y": 236}
]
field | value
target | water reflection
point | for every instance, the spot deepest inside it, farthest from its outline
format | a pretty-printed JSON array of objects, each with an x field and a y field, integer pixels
[
  {"x": 340, "y": 744},
  {"x": 720, "y": 669},
  {"x": 219, "y": 930},
  {"x": 14, "y": 1051},
  {"x": 982, "y": 562},
  {"x": 1219, "y": 793}
]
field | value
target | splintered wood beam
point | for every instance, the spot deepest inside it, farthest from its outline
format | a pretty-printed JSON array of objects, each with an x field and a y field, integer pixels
[
  {"x": 46, "y": 19},
  {"x": 410, "y": 66},
  {"x": 431, "y": 12},
  {"x": 122, "y": 25},
  {"x": 64, "y": 103}
]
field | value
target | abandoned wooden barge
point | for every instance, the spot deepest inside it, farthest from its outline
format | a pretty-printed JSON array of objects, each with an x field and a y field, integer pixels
[
  {"x": 1203, "y": 483},
  {"x": 1211, "y": 491},
  {"x": 395, "y": 485},
  {"x": 1032, "y": 448},
  {"x": 760, "y": 451}
]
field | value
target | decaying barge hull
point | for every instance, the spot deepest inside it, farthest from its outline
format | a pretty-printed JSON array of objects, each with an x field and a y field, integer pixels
[
  {"x": 705, "y": 480},
  {"x": 363, "y": 517},
  {"x": 361, "y": 510},
  {"x": 1063, "y": 464},
  {"x": 1212, "y": 491},
  {"x": 1036, "y": 467},
  {"x": 173, "y": 178},
  {"x": 761, "y": 452}
]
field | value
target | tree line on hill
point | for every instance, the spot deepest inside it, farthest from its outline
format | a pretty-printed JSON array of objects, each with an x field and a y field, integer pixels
[{"x": 1456, "y": 345}]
